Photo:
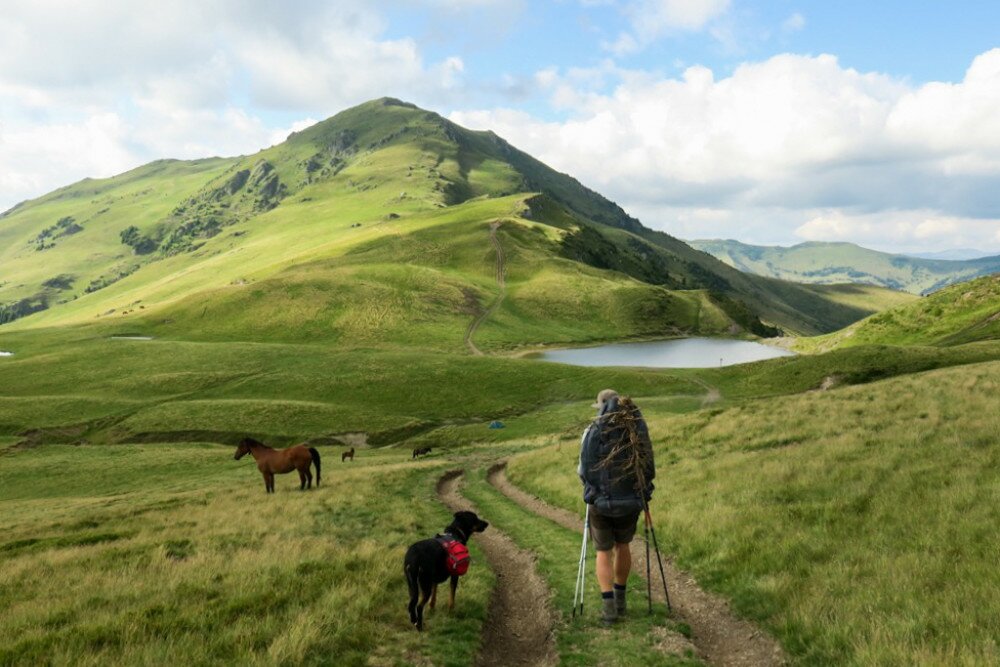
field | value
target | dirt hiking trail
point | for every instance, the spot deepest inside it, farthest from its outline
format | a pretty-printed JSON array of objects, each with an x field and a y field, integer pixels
[
  {"x": 720, "y": 637},
  {"x": 500, "y": 272},
  {"x": 519, "y": 623}
]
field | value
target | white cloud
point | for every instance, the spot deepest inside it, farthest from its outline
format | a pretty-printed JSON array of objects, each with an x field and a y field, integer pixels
[
  {"x": 793, "y": 23},
  {"x": 796, "y": 133},
  {"x": 909, "y": 230},
  {"x": 651, "y": 20},
  {"x": 189, "y": 78}
]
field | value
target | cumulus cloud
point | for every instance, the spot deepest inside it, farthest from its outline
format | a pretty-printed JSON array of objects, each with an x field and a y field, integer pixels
[
  {"x": 904, "y": 230},
  {"x": 188, "y": 78},
  {"x": 796, "y": 133},
  {"x": 652, "y": 19}
]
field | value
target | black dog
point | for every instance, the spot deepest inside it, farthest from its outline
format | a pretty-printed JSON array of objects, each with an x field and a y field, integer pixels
[{"x": 425, "y": 565}]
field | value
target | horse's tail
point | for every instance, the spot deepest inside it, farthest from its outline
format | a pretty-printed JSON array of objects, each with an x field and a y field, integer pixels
[{"x": 315, "y": 457}]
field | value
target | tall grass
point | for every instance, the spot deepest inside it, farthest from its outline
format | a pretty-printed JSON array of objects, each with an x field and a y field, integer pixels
[
  {"x": 859, "y": 524},
  {"x": 173, "y": 554}
]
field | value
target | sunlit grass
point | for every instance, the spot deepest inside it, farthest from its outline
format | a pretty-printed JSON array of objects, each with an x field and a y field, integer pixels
[
  {"x": 858, "y": 524},
  {"x": 173, "y": 554}
]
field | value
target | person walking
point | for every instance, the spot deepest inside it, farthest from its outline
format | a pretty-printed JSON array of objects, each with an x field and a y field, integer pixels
[{"x": 617, "y": 470}]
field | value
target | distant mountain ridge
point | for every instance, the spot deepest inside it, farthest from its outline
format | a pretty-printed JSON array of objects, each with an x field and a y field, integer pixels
[
  {"x": 955, "y": 254},
  {"x": 830, "y": 263}
]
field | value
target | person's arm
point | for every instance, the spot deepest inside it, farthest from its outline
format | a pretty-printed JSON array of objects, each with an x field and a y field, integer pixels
[
  {"x": 583, "y": 453},
  {"x": 589, "y": 451}
]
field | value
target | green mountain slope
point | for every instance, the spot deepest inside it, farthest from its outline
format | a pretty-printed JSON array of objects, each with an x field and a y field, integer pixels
[
  {"x": 373, "y": 227},
  {"x": 962, "y": 313},
  {"x": 827, "y": 263}
]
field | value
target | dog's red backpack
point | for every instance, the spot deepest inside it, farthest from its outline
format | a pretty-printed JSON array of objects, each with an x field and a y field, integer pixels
[{"x": 457, "y": 558}]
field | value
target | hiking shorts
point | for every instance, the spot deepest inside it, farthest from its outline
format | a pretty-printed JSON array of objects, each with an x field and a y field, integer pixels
[{"x": 607, "y": 531}]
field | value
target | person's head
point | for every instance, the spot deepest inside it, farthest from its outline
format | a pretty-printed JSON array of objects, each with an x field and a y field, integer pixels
[{"x": 603, "y": 398}]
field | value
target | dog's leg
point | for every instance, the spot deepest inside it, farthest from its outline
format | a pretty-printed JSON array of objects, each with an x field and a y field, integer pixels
[
  {"x": 411, "y": 581},
  {"x": 451, "y": 596},
  {"x": 425, "y": 594},
  {"x": 434, "y": 596}
]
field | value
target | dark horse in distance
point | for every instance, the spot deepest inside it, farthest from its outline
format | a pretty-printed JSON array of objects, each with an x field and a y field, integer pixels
[{"x": 273, "y": 462}]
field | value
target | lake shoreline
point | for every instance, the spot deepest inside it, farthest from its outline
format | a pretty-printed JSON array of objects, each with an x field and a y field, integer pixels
[{"x": 678, "y": 352}]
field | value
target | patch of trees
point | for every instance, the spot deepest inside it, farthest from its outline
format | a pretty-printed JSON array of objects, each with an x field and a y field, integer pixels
[
  {"x": 17, "y": 309},
  {"x": 741, "y": 314},
  {"x": 140, "y": 243},
  {"x": 47, "y": 237},
  {"x": 244, "y": 194},
  {"x": 63, "y": 281},
  {"x": 114, "y": 276},
  {"x": 634, "y": 257}
]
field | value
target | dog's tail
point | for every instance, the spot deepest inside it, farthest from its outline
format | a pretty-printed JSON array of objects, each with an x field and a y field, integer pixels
[{"x": 315, "y": 457}]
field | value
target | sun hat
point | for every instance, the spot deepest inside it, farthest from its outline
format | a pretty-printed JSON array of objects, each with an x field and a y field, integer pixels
[{"x": 604, "y": 396}]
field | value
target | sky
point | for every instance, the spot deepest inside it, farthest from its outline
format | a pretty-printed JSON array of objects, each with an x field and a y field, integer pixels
[{"x": 769, "y": 122}]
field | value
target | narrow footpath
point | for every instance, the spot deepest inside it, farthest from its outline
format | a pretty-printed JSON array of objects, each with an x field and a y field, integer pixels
[
  {"x": 500, "y": 271},
  {"x": 519, "y": 623},
  {"x": 721, "y": 637}
]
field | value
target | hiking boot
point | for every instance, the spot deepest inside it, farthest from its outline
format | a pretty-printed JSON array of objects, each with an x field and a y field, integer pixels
[
  {"x": 609, "y": 611},
  {"x": 620, "y": 602}
]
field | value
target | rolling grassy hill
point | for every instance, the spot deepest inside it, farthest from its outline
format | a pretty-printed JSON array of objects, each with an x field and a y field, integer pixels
[
  {"x": 827, "y": 263},
  {"x": 310, "y": 222},
  {"x": 962, "y": 313}
]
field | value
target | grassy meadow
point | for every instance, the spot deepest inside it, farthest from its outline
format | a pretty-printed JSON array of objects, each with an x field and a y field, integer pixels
[
  {"x": 173, "y": 554},
  {"x": 860, "y": 531}
]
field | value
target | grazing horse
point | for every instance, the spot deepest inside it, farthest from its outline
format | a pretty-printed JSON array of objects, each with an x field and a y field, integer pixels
[
  {"x": 347, "y": 455},
  {"x": 421, "y": 451},
  {"x": 273, "y": 462}
]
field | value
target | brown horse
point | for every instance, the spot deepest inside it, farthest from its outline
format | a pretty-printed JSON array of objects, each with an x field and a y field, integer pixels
[
  {"x": 273, "y": 462},
  {"x": 347, "y": 455}
]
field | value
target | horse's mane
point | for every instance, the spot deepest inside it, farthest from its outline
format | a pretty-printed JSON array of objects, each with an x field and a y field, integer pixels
[{"x": 250, "y": 442}]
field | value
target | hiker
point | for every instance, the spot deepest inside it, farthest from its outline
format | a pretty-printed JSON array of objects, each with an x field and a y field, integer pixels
[{"x": 616, "y": 468}]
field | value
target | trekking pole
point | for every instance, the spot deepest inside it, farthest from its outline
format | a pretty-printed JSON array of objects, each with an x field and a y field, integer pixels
[
  {"x": 583, "y": 565},
  {"x": 583, "y": 577},
  {"x": 659, "y": 561},
  {"x": 578, "y": 592},
  {"x": 576, "y": 589},
  {"x": 649, "y": 576}
]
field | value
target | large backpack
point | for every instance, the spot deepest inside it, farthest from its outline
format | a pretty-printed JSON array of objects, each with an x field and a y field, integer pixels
[
  {"x": 609, "y": 486},
  {"x": 457, "y": 559}
]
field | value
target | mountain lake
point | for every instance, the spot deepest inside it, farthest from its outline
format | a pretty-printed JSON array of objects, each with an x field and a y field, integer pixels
[{"x": 675, "y": 353}]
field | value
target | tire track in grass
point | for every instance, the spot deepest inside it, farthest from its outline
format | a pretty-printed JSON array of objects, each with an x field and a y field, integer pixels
[
  {"x": 499, "y": 274},
  {"x": 721, "y": 637},
  {"x": 519, "y": 623},
  {"x": 640, "y": 640}
]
